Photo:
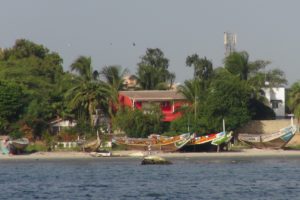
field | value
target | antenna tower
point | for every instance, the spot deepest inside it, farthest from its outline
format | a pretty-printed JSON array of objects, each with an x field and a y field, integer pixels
[{"x": 229, "y": 42}]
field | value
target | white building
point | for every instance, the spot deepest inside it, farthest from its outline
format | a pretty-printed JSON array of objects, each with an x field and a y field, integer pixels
[
  {"x": 276, "y": 98},
  {"x": 58, "y": 124}
]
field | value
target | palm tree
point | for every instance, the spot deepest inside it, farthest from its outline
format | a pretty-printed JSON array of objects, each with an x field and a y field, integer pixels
[
  {"x": 114, "y": 77},
  {"x": 193, "y": 94},
  {"x": 89, "y": 93},
  {"x": 238, "y": 63},
  {"x": 83, "y": 66}
]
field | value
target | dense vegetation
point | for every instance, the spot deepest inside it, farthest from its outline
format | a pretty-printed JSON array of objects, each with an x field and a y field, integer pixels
[{"x": 34, "y": 89}]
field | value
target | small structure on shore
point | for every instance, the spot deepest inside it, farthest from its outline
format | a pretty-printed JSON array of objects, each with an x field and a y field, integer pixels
[{"x": 155, "y": 160}]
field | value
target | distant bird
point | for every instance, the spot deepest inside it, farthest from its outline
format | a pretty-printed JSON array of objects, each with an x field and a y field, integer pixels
[{"x": 133, "y": 44}]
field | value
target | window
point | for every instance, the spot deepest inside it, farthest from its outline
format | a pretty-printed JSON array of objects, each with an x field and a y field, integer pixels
[{"x": 275, "y": 103}]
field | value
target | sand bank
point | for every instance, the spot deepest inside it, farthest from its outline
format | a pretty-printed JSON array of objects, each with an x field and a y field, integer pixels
[{"x": 83, "y": 155}]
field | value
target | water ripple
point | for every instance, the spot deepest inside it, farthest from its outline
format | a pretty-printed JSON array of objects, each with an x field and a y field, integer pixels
[{"x": 199, "y": 178}]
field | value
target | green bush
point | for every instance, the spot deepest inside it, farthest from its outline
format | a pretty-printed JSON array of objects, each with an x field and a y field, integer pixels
[
  {"x": 36, "y": 147},
  {"x": 139, "y": 123}
]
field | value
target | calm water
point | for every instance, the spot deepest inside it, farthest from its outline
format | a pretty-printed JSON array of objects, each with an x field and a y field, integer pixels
[{"x": 123, "y": 178}]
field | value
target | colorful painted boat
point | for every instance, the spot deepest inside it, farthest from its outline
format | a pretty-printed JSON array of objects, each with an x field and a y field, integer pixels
[
  {"x": 154, "y": 142},
  {"x": 275, "y": 140},
  {"x": 209, "y": 142},
  {"x": 222, "y": 138}
]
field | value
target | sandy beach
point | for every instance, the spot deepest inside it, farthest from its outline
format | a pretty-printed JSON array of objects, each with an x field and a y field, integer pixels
[{"x": 132, "y": 154}]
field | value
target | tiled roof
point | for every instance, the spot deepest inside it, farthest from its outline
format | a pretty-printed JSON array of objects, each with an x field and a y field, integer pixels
[{"x": 153, "y": 95}]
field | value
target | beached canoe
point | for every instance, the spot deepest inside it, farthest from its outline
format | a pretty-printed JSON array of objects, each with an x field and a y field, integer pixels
[
  {"x": 222, "y": 138},
  {"x": 154, "y": 142},
  {"x": 19, "y": 144},
  {"x": 209, "y": 142},
  {"x": 275, "y": 140},
  {"x": 91, "y": 146}
]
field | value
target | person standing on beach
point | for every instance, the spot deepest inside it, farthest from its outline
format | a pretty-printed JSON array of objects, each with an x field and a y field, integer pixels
[
  {"x": 5, "y": 146},
  {"x": 149, "y": 149}
]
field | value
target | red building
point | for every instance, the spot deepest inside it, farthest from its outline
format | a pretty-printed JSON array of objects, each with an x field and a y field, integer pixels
[{"x": 168, "y": 100}]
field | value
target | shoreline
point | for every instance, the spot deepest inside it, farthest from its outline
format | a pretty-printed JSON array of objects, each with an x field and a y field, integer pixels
[{"x": 139, "y": 154}]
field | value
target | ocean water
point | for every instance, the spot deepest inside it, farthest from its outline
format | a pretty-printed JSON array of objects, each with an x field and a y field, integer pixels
[{"x": 124, "y": 178}]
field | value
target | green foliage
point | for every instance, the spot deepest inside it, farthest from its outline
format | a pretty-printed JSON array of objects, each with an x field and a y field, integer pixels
[
  {"x": 294, "y": 99},
  {"x": 38, "y": 72},
  {"x": 237, "y": 63},
  {"x": 38, "y": 125},
  {"x": 83, "y": 129},
  {"x": 203, "y": 68},
  {"x": 153, "y": 71},
  {"x": 186, "y": 123},
  {"x": 83, "y": 66},
  {"x": 88, "y": 94},
  {"x": 11, "y": 101},
  {"x": 15, "y": 134},
  {"x": 228, "y": 99},
  {"x": 137, "y": 123},
  {"x": 36, "y": 147},
  {"x": 49, "y": 140},
  {"x": 114, "y": 78}
]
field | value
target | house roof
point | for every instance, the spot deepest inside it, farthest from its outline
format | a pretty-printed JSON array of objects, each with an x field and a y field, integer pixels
[{"x": 153, "y": 95}]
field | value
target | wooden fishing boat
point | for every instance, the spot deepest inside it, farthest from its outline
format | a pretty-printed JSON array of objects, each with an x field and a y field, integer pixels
[
  {"x": 209, "y": 142},
  {"x": 275, "y": 140},
  {"x": 93, "y": 145},
  {"x": 154, "y": 142},
  {"x": 19, "y": 144},
  {"x": 222, "y": 138}
]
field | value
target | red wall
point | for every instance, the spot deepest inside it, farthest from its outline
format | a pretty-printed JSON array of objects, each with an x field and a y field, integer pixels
[{"x": 166, "y": 107}]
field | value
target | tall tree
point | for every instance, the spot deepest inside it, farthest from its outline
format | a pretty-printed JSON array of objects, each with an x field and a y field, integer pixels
[
  {"x": 254, "y": 73},
  {"x": 83, "y": 66},
  {"x": 89, "y": 94},
  {"x": 114, "y": 77},
  {"x": 203, "y": 68},
  {"x": 238, "y": 63},
  {"x": 153, "y": 71},
  {"x": 195, "y": 96},
  {"x": 37, "y": 71},
  {"x": 12, "y": 103},
  {"x": 228, "y": 98},
  {"x": 192, "y": 92}
]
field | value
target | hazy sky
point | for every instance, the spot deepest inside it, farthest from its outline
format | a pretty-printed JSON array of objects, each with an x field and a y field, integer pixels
[{"x": 106, "y": 30}]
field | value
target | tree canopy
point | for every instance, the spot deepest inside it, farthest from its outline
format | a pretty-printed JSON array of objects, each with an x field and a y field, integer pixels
[
  {"x": 153, "y": 71},
  {"x": 34, "y": 89}
]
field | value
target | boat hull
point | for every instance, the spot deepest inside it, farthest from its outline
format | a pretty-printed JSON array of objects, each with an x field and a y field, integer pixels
[
  {"x": 209, "y": 142},
  {"x": 91, "y": 146},
  {"x": 276, "y": 140},
  {"x": 19, "y": 144},
  {"x": 170, "y": 144}
]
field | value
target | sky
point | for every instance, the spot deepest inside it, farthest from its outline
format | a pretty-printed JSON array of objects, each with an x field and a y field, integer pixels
[{"x": 107, "y": 29}]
